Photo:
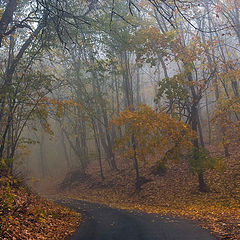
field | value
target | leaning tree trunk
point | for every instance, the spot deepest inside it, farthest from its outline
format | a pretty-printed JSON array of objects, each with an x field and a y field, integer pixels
[{"x": 65, "y": 148}]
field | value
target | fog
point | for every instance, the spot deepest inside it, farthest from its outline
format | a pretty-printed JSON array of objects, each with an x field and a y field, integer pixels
[{"x": 70, "y": 87}]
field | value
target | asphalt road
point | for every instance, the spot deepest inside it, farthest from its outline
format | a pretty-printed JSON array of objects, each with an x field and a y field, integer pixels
[{"x": 104, "y": 223}]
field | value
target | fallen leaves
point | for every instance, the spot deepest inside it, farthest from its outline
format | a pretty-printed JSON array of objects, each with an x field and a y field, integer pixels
[
  {"x": 173, "y": 194},
  {"x": 24, "y": 215}
]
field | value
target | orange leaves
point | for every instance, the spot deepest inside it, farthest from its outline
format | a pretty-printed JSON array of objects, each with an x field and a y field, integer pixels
[
  {"x": 229, "y": 73},
  {"x": 148, "y": 43},
  {"x": 227, "y": 119},
  {"x": 153, "y": 132},
  {"x": 57, "y": 106},
  {"x": 171, "y": 194},
  {"x": 65, "y": 102},
  {"x": 26, "y": 216}
]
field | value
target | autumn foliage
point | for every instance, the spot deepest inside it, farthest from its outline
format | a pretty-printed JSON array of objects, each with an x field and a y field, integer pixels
[
  {"x": 227, "y": 122},
  {"x": 81, "y": 73},
  {"x": 154, "y": 133},
  {"x": 24, "y": 215}
]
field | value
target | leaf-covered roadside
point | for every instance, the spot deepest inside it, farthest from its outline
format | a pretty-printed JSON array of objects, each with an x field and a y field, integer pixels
[
  {"x": 24, "y": 215},
  {"x": 175, "y": 193}
]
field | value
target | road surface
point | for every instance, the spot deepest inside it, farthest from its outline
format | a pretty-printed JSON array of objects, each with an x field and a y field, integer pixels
[{"x": 104, "y": 223}]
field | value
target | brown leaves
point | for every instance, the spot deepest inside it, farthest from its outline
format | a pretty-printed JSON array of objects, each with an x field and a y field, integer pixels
[
  {"x": 227, "y": 120},
  {"x": 174, "y": 194},
  {"x": 27, "y": 216}
]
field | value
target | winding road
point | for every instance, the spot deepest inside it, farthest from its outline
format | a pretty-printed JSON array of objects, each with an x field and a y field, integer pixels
[{"x": 104, "y": 223}]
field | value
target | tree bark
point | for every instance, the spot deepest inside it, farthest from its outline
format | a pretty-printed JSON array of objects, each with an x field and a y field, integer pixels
[{"x": 7, "y": 18}]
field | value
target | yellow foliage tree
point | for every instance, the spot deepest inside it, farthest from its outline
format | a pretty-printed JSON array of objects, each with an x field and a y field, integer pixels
[
  {"x": 153, "y": 132},
  {"x": 227, "y": 121}
]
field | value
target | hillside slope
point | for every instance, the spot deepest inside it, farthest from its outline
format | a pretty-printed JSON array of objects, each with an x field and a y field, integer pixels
[
  {"x": 174, "y": 193},
  {"x": 24, "y": 215}
]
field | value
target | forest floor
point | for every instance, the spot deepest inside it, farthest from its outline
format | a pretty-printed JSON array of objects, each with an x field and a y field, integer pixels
[
  {"x": 176, "y": 193},
  {"x": 25, "y": 215}
]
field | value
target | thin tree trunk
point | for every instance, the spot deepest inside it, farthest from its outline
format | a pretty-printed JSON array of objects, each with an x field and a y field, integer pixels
[
  {"x": 209, "y": 123},
  {"x": 138, "y": 98},
  {"x": 97, "y": 142},
  {"x": 42, "y": 162},
  {"x": 138, "y": 185},
  {"x": 65, "y": 148}
]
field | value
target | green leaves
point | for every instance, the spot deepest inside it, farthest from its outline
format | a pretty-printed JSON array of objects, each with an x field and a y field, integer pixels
[
  {"x": 172, "y": 88},
  {"x": 201, "y": 160}
]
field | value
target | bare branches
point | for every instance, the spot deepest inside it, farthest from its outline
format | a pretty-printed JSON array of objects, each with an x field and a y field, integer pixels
[{"x": 132, "y": 4}]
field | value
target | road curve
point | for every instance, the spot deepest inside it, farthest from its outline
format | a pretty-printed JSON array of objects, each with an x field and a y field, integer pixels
[{"x": 104, "y": 223}]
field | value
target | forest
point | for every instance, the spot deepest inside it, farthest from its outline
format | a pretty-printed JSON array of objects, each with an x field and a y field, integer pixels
[{"x": 134, "y": 104}]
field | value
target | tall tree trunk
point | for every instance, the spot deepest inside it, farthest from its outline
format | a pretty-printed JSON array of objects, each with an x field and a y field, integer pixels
[
  {"x": 65, "y": 149},
  {"x": 209, "y": 122},
  {"x": 42, "y": 156},
  {"x": 129, "y": 104},
  {"x": 194, "y": 119},
  {"x": 135, "y": 160},
  {"x": 138, "y": 98},
  {"x": 200, "y": 131},
  {"x": 195, "y": 124},
  {"x": 109, "y": 141},
  {"x": 97, "y": 142},
  {"x": 104, "y": 144},
  {"x": 81, "y": 155}
]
